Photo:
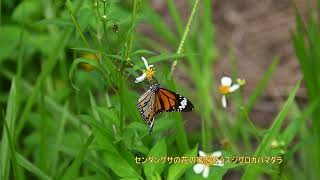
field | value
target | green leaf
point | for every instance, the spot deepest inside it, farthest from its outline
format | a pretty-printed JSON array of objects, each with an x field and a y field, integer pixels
[
  {"x": 32, "y": 168},
  {"x": 143, "y": 52},
  {"x": 177, "y": 170},
  {"x": 113, "y": 159},
  {"x": 158, "y": 150},
  {"x": 27, "y": 11},
  {"x": 9, "y": 39},
  {"x": 161, "y": 57},
  {"x": 73, "y": 170},
  {"x": 119, "y": 165},
  {"x": 217, "y": 173}
]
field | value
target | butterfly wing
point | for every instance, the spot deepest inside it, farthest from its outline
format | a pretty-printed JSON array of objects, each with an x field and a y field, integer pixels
[
  {"x": 146, "y": 107},
  {"x": 157, "y": 100},
  {"x": 172, "y": 102}
]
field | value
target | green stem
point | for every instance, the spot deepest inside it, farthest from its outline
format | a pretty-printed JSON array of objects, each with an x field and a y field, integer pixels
[
  {"x": 0, "y": 12},
  {"x": 133, "y": 21},
  {"x": 253, "y": 127},
  {"x": 125, "y": 58},
  {"x": 43, "y": 132},
  {"x": 76, "y": 24},
  {"x": 184, "y": 36}
]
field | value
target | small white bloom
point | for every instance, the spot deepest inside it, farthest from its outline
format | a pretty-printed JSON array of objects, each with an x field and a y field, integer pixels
[
  {"x": 204, "y": 167},
  {"x": 227, "y": 87},
  {"x": 148, "y": 73}
]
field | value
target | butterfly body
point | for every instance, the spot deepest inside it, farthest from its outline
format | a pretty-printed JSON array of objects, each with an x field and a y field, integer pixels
[{"x": 156, "y": 100}]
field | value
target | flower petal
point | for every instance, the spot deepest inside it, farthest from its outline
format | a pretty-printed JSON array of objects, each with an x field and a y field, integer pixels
[
  {"x": 205, "y": 173},
  {"x": 141, "y": 78},
  {"x": 202, "y": 154},
  {"x": 224, "y": 101},
  {"x": 145, "y": 62},
  {"x": 226, "y": 81},
  {"x": 217, "y": 154},
  {"x": 234, "y": 87},
  {"x": 198, "y": 168}
]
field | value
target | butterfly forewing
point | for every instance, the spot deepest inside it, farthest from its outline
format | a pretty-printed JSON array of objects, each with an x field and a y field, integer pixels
[{"x": 172, "y": 101}]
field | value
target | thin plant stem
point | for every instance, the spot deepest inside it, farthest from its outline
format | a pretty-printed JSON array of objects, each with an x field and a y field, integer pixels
[
  {"x": 75, "y": 22},
  {"x": 125, "y": 58},
  {"x": 184, "y": 36},
  {"x": 133, "y": 20}
]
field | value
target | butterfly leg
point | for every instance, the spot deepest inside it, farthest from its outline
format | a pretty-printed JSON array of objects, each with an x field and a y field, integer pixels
[{"x": 151, "y": 125}]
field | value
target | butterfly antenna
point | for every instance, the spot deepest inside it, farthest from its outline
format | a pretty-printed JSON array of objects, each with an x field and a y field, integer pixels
[{"x": 156, "y": 80}]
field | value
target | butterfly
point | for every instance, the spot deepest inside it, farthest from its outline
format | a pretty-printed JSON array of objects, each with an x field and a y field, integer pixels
[{"x": 156, "y": 100}]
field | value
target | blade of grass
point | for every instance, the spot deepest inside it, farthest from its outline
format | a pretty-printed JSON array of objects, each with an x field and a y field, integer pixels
[
  {"x": 31, "y": 167},
  {"x": 205, "y": 73},
  {"x": 72, "y": 171},
  {"x": 262, "y": 85},
  {"x": 159, "y": 25},
  {"x": 291, "y": 131},
  {"x": 93, "y": 107},
  {"x": 305, "y": 42},
  {"x": 59, "y": 137},
  {"x": 7, "y": 145},
  {"x": 251, "y": 170},
  {"x": 175, "y": 16},
  {"x": 12, "y": 152}
]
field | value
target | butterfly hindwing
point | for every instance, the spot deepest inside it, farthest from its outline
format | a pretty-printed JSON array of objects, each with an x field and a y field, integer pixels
[{"x": 146, "y": 105}]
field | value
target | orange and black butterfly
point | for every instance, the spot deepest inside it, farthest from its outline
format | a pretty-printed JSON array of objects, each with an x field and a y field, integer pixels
[{"x": 157, "y": 100}]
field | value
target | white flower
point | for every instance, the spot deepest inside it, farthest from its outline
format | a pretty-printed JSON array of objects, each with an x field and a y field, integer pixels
[
  {"x": 227, "y": 87},
  {"x": 212, "y": 159},
  {"x": 147, "y": 74}
]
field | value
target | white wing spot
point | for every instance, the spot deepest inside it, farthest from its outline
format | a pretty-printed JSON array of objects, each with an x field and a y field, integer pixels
[{"x": 183, "y": 104}]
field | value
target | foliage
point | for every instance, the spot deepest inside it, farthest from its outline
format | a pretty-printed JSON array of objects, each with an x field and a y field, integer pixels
[{"x": 69, "y": 98}]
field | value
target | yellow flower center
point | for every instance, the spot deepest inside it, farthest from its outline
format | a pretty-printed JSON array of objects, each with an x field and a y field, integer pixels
[
  {"x": 150, "y": 73},
  {"x": 224, "y": 89}
]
